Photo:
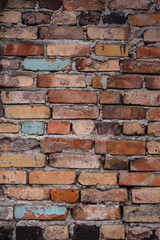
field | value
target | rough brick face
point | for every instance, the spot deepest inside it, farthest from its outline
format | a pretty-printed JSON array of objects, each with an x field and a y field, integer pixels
[{"x": 79, "y": 119}]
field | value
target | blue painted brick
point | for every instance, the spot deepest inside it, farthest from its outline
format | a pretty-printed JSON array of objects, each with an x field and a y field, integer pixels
[
  {"x": 32, "y": 128},
  {"x": 47, "y": 64}
]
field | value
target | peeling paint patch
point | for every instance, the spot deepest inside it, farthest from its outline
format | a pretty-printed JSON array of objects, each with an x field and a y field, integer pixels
[
  {"x": 47, "y": 64},
  {"x": 40, "y": 212},
  {"x": 32, "y": 128}
]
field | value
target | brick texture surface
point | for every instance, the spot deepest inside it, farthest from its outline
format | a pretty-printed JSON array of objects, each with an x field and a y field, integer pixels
[{"x": 79, "y": 119}]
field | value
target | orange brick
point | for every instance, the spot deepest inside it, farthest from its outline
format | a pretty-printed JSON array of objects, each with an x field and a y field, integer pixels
[
  {"x": 12, "y": 177},
  {"x": 49, "y": 145},
  {"x": 146, "y": 196},
  {"x": 112, "y": 50},
  {"x": 18, "y": 33},
  {"x": 9, "y": 128},
  {"x": 154, "y": 147},
  {"x": 110, "y": 98},
  {"x": 27, "y": 112},
  {"x": 27, "y": 193},
  {"x": 61, "y": 80},
  {"x": 71, "y": 96},
  {"x": 69, "y": 112},
  {"x": 68, "y": 50},
  {"x": 120, "y": 147},
  {"x": 154, "y": 114},
  {"x": 113, "y": 231},
  {"x": 94, "y": 212},
  {"x": 68, "y": 196},
  {"x": 145, "y": 164},
  {"x": 96, "y": 83},
  {"x": 100, "y": 179},
  {"x": 52, "y": 177},
  {"x": 58, "y": 127},
  {"x": 139, "y": 179},
  {"x": 148, "y": 52},
  {"x": 11, "y": 17},
  {"x": 154, "y": 129},
  {"x": 89, "y": 65},
  {"x": 133, "y": 128},
  {"x": 147, "y": 19},
  {"x": 108, "y": 33}
]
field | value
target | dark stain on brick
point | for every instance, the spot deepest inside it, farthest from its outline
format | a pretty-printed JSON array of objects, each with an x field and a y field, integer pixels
[
  {"x": 108, "y": 128},
  {"x": 36, "y": 18},
  {"x": 28, "y": 233},
  {"x": 86, "y": 232},
  {"x": 6, "y": 233},
  {"x": 1, "y": 51},
  {"x": 50, "y": 4},
  {"x": 90, "y": 18},
  {"x": 114, "y": 18},
  {"x": 3, "y": 4}
]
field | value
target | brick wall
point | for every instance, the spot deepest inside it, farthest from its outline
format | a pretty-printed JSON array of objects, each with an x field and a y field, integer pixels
[{"x": 80, "y": 120}]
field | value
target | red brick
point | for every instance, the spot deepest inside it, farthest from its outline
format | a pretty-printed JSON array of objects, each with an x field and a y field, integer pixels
[
  {"x": 89, "y": 65},
  {"x": 68, "y": 196},
  {"x": 75, "y": 161},
  {"x": 23, "y": 49},
  {"x": 118, "y": 147},
  {"x": 94, "y": 212},
  {"x": 52, "y": 177},
  {"x": 147, "y": 19},
  {"x": 152, "y": 35},
  {"x": 123, "y": 112},
  {"x": 100, "y": 179},
  {"x": 145, "y": 164},
  {"x": 124, "y": 81},
  {"x": 27, "y": 112},
  {"x": 61, "y": 33},
  {"x": 133, "y": 66},
  {"x": 11, "y": 17},
  {"x": 36, "y": 18},
  {"x": 140, "y": 233},
  {"x": 68, "y": 50},
  {"x": 110, "y": 98},
  {"x": 69, "y": 112},
  {"x": 71, "y": 96},
  {"x": 12, "y": 177},
  {"x": 108, "y": 33},
  {"x": 142, "y": 98},
  {"x": 148, "y": 52},
  {"x": 52, "y": 5},
  {"x": 127, "y": 4},
  {"x": 146, "y": 196},
  {"x": 90, "y": 5},
  {"x": 61, "y": 80},
  {"x": 154, "y": 129},
  {"x": 64, "y": 18},
  {"x": 108, "y": 128},
  {"x": 116, "y": 163},
  {"x": 98, "y": 196},
  {"x": 152, "y": 82},
  {"x": 18, "y": 33},
  {"x": 154, "y": 114},
  {"x": 27, "y": 193},
  {"x": 58, "y": 127},
  {"x": 83, "y": 127},
  {"x": 139, "y": 179},
  {"x": 54, "y": 145},
  {"x": 21, "y": 4}
]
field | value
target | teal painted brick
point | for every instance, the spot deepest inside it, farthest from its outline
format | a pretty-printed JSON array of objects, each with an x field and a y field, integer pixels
[
  {"x": 32, "y": 128},
  {"x": 40, "y": 212},
  {"x": 47, "y": 64}
]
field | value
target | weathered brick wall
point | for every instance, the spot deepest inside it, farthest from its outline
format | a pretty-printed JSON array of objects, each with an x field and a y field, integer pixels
[{"x": 80, "y": 120}]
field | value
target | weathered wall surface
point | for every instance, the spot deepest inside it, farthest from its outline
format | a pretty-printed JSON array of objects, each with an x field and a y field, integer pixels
[{"x": 80, "y": 120}]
